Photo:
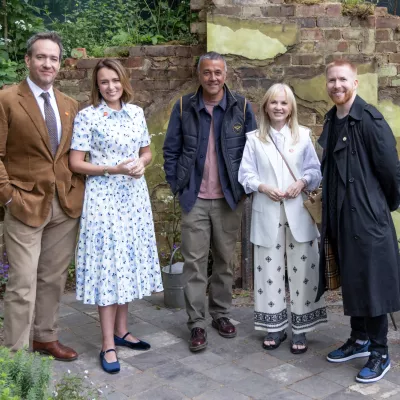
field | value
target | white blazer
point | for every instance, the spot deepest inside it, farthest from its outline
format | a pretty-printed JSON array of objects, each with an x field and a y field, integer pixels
[{"x": 261, "y": 163}]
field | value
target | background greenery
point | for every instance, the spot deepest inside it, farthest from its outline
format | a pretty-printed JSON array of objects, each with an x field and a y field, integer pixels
[{"x": 93, "y": 24}]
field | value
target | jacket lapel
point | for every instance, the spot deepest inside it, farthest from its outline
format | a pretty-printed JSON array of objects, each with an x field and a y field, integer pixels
[
  {"x": 271, "y": 152},
  {"x": 64, "y": 111},
  {"x": 31, "y": 107}
]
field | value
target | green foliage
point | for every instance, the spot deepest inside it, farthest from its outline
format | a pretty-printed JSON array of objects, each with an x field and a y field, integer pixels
[
  {"x": 24, "y": 375},
  {"x": 358, "y": 8},
  {"x": 72, "y": 387},
  {"x": 18, "y": 23},
  {"x": 97, "y": 24}
]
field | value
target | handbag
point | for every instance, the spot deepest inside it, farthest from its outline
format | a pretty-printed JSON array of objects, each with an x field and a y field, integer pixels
[{"x": 313, "y": 204}]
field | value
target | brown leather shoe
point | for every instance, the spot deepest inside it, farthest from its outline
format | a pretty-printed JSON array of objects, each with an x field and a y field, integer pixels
[
  {"x": 225, "y": 327},
  {"x": 198, "y": 339},
  {"x": 55, "y": 349}
]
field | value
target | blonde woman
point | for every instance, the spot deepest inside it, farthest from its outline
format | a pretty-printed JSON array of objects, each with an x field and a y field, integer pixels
[{"x": 282, "y": 230}]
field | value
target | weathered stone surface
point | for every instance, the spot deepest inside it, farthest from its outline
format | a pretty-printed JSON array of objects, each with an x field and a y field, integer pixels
[
  {"x": 386, "y": 47},
  {"x": 248, "y": 38}
]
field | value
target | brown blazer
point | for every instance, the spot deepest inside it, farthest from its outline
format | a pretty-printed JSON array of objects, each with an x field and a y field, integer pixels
[{"x": 29, "y": 174}]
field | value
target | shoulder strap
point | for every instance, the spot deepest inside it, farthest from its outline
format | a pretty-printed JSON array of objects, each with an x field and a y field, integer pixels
[
  {"x": 284, "y": 159},
  {"x": 180, "y": 103}
]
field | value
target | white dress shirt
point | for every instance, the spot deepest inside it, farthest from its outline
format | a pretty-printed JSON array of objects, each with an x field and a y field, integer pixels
[{"x": 37, "y": 91}]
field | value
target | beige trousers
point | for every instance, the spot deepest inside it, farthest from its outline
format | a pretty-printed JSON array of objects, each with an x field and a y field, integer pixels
[
  {"x": 39, "y": 259},
  {"x": 209, "y": 222}
]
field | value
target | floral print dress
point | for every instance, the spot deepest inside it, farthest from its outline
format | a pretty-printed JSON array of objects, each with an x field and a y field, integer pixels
[{"x": 116, "y": 257}]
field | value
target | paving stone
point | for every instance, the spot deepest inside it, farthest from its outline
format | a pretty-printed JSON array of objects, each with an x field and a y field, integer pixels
[
  {"x": 344, "y": 375},
  {"x": 75, "y": 319},
  {"x": 160, "y": 393},
  {"x": 318, "y": 342},
  {"x": 379, "y": 390},
  {"x": 172, "y": 371},
  {"x": 150, "y": 313},
  {"x": 287, "y": 374},
  {"x": 316, "y": 387},
  {"x": 393, "y": 375},
  {"x": 149, "y": 359},
  {"x": 162, "y": 339},
  {"x": 194, "y": 384},
  {"x": 203, "y": 361},
  {"x": 259, "y": 362},
  {"x": 223, "y": 393},
  {"x": 346, "y": 394},
  {"x": 228, "y": 373},
  {"x": 177, "y": 351},
  {"x": 314, "y": 363},
  {"x": 138, "y": 305},
  {"x": 66, "y": 310},
  {"x": 142, "y": 329},
  {"x": 87, "y": 330},
  {"x": 80, "y": 306},
  {"x": 138, "y": 383},
  {"x": 170, "y": 320},
  {"x": 287, "y": 394},
  {"x": 236, "y": 349},
  {"x": 256, "y": 386},
  {"x": 180, "y": 331}
]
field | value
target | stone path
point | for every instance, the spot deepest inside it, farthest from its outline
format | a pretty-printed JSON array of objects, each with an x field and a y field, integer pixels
[{"x": 234, "y": 369}]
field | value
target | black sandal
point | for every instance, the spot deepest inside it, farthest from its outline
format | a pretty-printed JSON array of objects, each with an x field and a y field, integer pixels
[
  {"x": 298, "y": 339},
  {"x": 277, "y": 337}
]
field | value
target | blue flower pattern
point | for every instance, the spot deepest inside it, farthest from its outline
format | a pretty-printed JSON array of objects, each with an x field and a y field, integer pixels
[{"x": 116, "y": 257}]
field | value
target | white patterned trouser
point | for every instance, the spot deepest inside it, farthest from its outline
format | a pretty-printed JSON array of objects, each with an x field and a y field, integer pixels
[{"x": 302, "y": 260}]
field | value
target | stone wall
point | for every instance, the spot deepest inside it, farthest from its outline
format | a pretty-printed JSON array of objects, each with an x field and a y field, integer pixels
[{"x": 273, "y": 42}]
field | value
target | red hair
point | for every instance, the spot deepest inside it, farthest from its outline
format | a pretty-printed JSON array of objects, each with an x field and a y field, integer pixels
[{"x": 341, "y": 63}]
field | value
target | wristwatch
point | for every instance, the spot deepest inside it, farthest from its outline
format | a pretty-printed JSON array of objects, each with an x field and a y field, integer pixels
[{"x": 105, "y": 171}]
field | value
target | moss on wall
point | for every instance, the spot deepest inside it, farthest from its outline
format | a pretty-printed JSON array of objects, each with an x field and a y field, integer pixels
[{"x": 252, "y": 39}]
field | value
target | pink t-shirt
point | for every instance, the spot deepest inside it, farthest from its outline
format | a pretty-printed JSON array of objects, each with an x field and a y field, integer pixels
[{"x": 210, "y": 185}]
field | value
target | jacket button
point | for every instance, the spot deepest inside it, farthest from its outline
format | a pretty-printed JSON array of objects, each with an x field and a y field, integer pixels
[
  {"x": 356, "y": 237},
  {"x": 351, "y": 180},
  {"x": 353, "y": 209},
  {"x": 201, "y": 156},
  {"x": 344, "y": 138},
  {"x": 352, "y": 123},
  {"x": 353, "y": 152}
]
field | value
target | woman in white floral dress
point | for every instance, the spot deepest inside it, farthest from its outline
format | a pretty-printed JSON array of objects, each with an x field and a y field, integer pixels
[{"x": 116, "y": 260}]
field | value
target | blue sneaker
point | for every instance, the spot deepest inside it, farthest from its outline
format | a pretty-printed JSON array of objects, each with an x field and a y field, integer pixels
[
  {"x": 348, "y": 351},
  {"x": 375, "y": 368}
]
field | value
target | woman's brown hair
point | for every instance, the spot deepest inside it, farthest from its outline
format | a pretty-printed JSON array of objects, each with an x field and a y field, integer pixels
[{"x": 127, "y": 92}]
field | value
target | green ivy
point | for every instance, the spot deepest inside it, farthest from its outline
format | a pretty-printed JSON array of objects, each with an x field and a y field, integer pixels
[{"x": 97, "y": 24}]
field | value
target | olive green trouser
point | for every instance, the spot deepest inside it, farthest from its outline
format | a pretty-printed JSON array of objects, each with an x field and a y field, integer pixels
[{"x": 210, "y": 222}]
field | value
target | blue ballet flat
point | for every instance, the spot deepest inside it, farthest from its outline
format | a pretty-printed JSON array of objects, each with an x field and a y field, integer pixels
[
  {"x": 135, "y": 346},
  {"x": 109, "y": 367}
]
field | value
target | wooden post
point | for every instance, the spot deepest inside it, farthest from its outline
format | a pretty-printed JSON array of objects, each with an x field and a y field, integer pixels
[{"x": 247, "y": 247}]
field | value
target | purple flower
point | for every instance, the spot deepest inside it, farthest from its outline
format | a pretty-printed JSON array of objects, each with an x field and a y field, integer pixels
[{"x": 6, "y": 267}]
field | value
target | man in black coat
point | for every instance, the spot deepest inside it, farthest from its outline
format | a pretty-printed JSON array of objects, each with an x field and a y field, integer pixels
[
  {"x": 361, "y": 176},
  {"x": 202, "y": 152}
]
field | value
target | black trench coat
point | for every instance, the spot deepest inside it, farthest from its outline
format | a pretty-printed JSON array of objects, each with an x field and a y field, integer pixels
[{"x": 368, "y": 189}]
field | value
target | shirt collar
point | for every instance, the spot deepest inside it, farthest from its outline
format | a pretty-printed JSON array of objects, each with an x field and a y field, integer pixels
[
  {"x": 222, "y": 103},
  {"x": 285, "y": 131},
  {"x": 105, "y": 110},
  {"x": 37, "y": 91}
]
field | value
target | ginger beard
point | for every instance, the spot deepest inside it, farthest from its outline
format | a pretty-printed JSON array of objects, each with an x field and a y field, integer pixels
[{"x": 341, "y": 96}]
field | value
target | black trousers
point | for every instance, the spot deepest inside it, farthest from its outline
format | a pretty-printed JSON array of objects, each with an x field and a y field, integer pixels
[{"x": 373, "y": 328}]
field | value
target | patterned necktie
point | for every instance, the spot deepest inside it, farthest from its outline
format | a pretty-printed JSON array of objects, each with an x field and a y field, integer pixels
[{"x": 51, "y": 122}]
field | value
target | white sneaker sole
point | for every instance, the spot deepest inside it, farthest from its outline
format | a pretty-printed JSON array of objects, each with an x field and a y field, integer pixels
[
  {"x": 378, "y": 378},
  {"x": 340, "y": 360}
]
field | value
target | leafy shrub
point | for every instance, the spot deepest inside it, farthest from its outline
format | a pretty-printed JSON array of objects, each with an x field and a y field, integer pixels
[
  {"x": 24, "y": 375},
  {"x": 97, "y": 24}
]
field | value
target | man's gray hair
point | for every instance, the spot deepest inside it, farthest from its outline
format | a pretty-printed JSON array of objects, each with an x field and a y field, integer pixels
[
  {"x": 211, "y": 55},
  {"x": 50, "y": 35}
]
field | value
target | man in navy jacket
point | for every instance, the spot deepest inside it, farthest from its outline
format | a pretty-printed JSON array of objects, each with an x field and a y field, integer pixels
[{"x": 202, "y": 151}]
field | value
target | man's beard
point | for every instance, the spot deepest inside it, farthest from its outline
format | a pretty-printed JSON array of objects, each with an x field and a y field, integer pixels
[{"x": 347, "y": 96}]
